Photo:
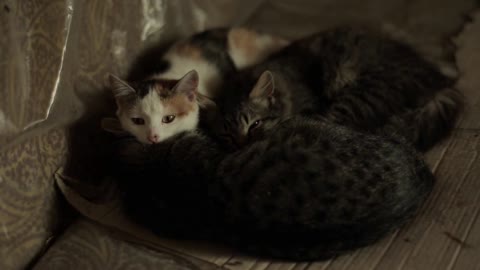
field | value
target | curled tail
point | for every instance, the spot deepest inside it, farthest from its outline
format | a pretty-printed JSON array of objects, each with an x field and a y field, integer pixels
[{"x": 434, "y": 121}]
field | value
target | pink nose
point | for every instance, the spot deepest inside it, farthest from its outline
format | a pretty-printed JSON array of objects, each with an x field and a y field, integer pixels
[{"x": 154, "y": 138}]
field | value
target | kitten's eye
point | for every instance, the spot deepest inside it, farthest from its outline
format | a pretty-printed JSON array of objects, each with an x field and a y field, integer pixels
[
  {"x": 255, "y": 125},
  {"x": 138, "y": 121},
  {"x": 168, "y": 119}
]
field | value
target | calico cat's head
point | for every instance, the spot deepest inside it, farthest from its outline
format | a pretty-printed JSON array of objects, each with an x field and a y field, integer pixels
[
  {"x": 155, "y": 110},
  {"x": 247, "y": 117}
]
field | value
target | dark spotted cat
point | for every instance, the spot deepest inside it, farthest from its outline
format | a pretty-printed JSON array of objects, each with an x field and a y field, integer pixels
[
  {"x": 310, "y": 190},
  {"x": 351, "y": 76}
]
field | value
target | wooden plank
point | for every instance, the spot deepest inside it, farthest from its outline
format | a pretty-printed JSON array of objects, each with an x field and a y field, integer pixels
[
  {"x": 366, "y": 258},
  {"x": 468, "y": 60},
  {"x": 434, "y": 239},
  {"x": 468, "y": 256},
  {"x": 241, "y": 262}
]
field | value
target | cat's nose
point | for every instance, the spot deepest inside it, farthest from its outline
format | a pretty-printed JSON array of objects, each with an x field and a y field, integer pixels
[{"x": 154, "y": 138}]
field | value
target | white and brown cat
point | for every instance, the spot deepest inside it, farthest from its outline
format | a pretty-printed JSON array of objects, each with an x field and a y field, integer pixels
[{"x": 169, "y": 102}]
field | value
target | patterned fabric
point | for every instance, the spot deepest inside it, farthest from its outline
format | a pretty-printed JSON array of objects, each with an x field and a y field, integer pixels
[
  {"x": 87, "y": 246},
  {"x": 29, "y": 211},
  {"x": 34, "y": 34}
]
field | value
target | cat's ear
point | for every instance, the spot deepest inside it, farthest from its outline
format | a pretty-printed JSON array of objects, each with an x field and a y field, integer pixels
[
  {"x": 188, "y": 85},
  {"x": 265, "y": 86},
  {"x": 119, "y": 87}
]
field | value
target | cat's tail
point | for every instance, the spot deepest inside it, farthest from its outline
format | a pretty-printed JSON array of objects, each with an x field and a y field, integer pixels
[{"x": 434, "y": 121}]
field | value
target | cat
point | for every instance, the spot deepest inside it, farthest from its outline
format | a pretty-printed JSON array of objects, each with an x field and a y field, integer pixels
[
  {"x": 349, "y": 75},
  {"x": 155, "y": 110},
  {"x": 213, "y": 54},
  {"x": 310, "y": 190}
]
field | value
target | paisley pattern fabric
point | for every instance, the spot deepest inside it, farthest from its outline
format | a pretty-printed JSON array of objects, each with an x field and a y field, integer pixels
[
  {"x": 29, "y": 213},
  {"x": 34, "y": 34},
  {"x": 87, "y": 246}
]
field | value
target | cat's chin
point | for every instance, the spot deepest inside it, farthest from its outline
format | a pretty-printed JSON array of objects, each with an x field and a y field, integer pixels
[{"x": 142, "y": 141}]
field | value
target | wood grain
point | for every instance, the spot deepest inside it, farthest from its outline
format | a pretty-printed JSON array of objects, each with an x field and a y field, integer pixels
[{"x": 468, "y": 59}]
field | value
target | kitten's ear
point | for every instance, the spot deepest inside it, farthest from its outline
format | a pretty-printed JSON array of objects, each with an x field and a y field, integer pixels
[
  {"x": 112, "y": 125},
  {"x": 188, "y": 85},
  {"x": 265, "y": 86},
  {"x": 119, "y": 88}
]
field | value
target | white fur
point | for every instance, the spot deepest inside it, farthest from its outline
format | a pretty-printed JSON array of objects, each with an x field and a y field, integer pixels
[
  {"x": 152, "y": 110},
  {"x": 209, "y": 78}
]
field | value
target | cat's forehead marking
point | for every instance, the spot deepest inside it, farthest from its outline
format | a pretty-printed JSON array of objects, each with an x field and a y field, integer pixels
[
  {"x": 164, "y": 88},
  {"x": 150, "y": 104},
  {"x": 179, "y": 104},
  {"x": 161, "y": 87},
  {"x": 161, "y": 100},
  {"x": 142, "y": 88},
  {"x": 160, "y": 90}
]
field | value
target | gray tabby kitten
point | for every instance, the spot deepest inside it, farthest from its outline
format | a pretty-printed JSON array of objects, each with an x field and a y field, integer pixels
[
  {"x": 310, "y": 190},
  {"x": 351, "y": 76}
]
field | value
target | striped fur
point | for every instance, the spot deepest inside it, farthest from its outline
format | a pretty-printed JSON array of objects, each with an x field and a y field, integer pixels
[{"x": 351, "y": 76}]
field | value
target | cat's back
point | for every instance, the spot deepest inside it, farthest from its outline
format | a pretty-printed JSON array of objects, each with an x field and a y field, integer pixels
[
  {"x": 218, "y": 52},
  {"x": 352, "y": 55},
  {"x": 206, "y": 52},
  {"x": 332, "y": 189},
  {"x": 318, "y": 151}
]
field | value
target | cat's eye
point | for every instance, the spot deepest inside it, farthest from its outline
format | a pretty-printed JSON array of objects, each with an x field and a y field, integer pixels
[
  {"x": 168, "y": 119},
  {"x": 138, "y": 121},
  {"x": 255, "y": 124}
]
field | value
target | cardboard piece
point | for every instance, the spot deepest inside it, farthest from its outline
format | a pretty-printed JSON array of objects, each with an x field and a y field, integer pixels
[{"x": 108, "y": 212}]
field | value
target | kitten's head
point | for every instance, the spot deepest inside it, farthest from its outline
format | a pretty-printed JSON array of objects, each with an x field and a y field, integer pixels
[
  {"x": 247, "y": 118},
  {"x": 155, "y": 110}
]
